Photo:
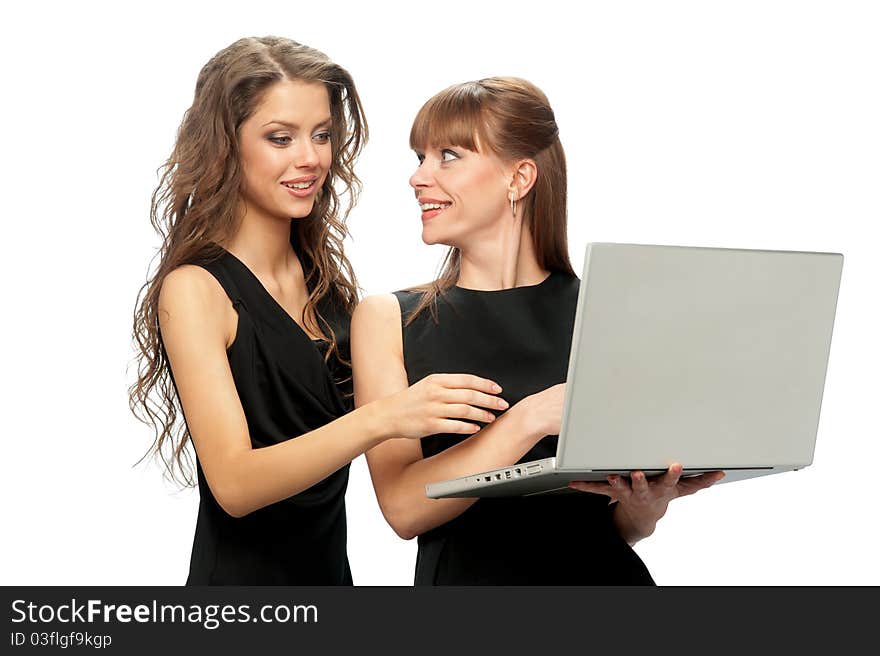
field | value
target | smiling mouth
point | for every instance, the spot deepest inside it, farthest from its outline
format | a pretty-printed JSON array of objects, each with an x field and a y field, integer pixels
[
  {"x": 298, "y": 185},
  {"x": 427, "y": 207},
  {"x": 302, "y": 188},
  {"x": 430, "y": 210}
]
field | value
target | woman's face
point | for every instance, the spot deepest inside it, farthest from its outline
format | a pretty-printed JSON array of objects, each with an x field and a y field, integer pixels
[
  {"x": 285, "y": 149},
  {"x": 462, "y": 194}
]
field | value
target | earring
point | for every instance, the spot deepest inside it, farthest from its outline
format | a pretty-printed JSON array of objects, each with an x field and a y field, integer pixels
[{"x": 513, "y": 206}]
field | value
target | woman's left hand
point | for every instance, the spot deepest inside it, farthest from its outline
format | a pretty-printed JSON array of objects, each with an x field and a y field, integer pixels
[{"x": 643, "y": 502}]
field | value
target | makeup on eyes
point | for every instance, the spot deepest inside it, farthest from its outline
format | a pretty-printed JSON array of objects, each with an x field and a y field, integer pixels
[
  {"x": 283, "y": 140},
  {"x": 443, "y": 153},
  {"x": 322, "y": 129}
]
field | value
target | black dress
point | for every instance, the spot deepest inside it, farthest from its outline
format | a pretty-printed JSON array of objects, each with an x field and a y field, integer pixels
[
  {"x": 520, "y": 338},
  {"x": 286, "y": 389}
]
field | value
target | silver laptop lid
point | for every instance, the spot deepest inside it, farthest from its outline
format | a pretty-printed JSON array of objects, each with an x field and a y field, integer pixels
[{"x": 718, "y": 356}]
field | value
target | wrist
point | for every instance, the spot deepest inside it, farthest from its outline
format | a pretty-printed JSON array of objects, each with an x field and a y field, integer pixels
[
  {"x": 632, "y": 528},
  {"x": 524, "y": 423},
  {"x": 374, "y": 423}
]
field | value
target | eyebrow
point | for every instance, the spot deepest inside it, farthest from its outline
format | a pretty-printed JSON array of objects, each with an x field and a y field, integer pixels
[{"x": 294, "y": 126}]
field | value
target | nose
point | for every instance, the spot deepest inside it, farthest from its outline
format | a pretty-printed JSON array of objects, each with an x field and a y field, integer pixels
[
  {"x": 306, "y": 155},
  {"x": 422, "y": 177}
]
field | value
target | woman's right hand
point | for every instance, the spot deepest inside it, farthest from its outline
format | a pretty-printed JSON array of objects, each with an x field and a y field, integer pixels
[
  {"x": 541, "y": 412},
  {"x": 441, "y": 403}
]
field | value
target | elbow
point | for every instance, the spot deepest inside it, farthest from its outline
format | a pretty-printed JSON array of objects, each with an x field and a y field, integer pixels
[
  {"x": 236, "y": 511},
  {"x": 232, "y": 502},
  {"x": 405, "y": 532},
  {"x": 227, "y": 483},
  {"x": 399, "y": 518},
  {"x": 402, "y": 525}
]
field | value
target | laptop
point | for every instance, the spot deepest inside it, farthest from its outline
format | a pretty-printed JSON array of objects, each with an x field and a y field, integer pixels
[{"x": 711, "y": 357}]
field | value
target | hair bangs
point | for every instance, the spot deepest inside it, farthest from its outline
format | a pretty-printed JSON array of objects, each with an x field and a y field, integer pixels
[{"x": 454, "y": 117}]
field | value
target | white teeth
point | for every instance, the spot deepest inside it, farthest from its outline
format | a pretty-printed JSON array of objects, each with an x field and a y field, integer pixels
[
  {"x": 433, "y": 206},
  {"x": 298, "y": 185}
]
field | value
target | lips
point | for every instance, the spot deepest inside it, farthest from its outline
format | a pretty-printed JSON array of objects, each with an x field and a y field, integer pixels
[
  {"x": 431, "y": 207},
  {"x": 433, "y": 204},
  {"x": 301, "y": 187}
]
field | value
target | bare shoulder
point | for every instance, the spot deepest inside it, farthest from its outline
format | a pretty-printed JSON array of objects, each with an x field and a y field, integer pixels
[
  {"x": 190, "y": 297},
  {"x": 190, "y": 284},
  {"x": 375, "y": 324},
  {"x": 378, "y": 311}
]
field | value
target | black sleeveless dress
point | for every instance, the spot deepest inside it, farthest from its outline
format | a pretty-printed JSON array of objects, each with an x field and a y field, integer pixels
[
  {"x": 519, "y": 338},
  {"x": 286, "y": 389}
]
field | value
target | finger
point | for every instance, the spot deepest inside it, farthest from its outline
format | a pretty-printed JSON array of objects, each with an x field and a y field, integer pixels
[
  {"x": 462, "y": 411},
  {"x": 621, "y": 487},
  {"x": 639, "y": 483},
  {"x": 472, "y": 397},
  {"x": 455, "y": 427},
  {"x": 468, "y": 381},
  {"x": 709, "y": 478},
  {"x": 690, "y": 489},
  {"x": 595, "y": 488},
  {"x": 672, "y": 475},
  {"x": 696, "y": 483}
]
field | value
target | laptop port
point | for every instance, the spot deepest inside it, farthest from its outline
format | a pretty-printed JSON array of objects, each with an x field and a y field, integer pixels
[
  {"x": 497, "y": 477},
  {"x": 507, "y": 474},
  {"x": 533, "y": 469},
  {"x": 517, "y": 472}
]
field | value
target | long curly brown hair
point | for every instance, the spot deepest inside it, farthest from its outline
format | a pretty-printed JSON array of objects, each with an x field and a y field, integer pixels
[
  {"x": 194, "y": 210},
  {"x": 512, "y": 118}
]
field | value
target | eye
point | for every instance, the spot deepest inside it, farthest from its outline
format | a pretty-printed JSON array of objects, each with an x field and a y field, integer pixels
[
  {"x": 281, "y": 141},
  {"x": 448, "y": 155},
  {"x": 421, "y": 157},
  {"x": 322, "y": 137}
]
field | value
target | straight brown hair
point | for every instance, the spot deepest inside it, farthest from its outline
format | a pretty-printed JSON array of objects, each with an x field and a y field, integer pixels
[{"x": 511, "y": 118}]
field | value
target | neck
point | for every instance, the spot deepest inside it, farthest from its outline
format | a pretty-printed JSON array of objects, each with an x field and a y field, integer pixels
[
  {"x": 263, "y": 243},
  {"x": 501, "y": 260}
]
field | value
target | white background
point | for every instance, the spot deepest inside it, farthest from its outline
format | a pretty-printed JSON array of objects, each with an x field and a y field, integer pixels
[{"x": 738, "y": 124}]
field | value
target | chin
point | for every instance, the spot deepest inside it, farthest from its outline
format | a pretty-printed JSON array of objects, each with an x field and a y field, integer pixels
[
  {"x": 300, "y": 211},
  {"x": 433, "y": 239},
  {"x": 429, "y": 238}
]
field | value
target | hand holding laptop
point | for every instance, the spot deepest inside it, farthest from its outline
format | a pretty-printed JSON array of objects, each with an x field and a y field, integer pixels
[{"x": 643, "y": 501}]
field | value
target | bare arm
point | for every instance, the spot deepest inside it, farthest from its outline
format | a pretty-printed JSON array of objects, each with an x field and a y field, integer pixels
[
  {"x": 397, "y": 468},
  {"x": 198, "y": 324},
  {"x": 197, "y": 327}
]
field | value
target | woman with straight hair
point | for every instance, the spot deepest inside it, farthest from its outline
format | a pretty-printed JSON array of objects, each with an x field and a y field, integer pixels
[
  {"x": 244, "y": 325},
  {"x": 491, "y": 184}
]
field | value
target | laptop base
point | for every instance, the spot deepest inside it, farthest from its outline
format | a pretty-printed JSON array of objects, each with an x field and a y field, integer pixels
[{"x": 541, "y": 477}]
